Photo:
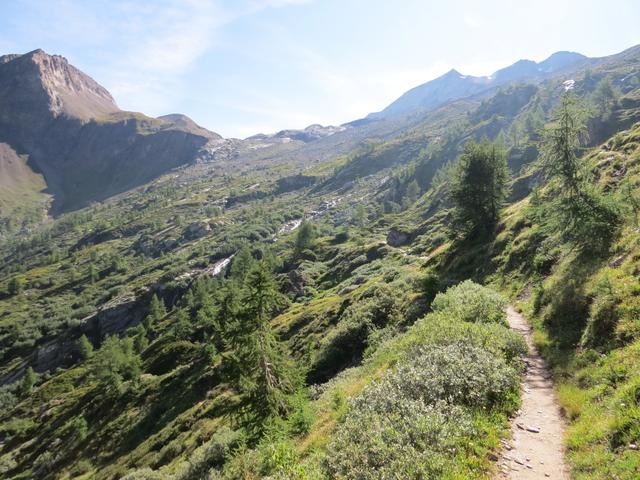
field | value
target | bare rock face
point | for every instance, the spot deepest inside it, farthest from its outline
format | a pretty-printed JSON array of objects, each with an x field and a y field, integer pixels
[
  {"x": 74, "y": 133},
  {"x": 397, "y": 238}
]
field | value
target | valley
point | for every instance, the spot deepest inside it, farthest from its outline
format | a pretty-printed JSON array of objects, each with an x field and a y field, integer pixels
[{"x": 330, "y": 302}]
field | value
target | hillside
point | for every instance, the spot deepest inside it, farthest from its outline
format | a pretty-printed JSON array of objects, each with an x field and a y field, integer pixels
[
  {"x": 454, "y": 85},
  {"x": 307, "y": 304},
  {"x": 76, "y": 137}
]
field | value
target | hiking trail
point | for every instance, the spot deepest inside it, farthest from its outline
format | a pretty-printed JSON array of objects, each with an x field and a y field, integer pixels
[{"x": 535, "y": 449}]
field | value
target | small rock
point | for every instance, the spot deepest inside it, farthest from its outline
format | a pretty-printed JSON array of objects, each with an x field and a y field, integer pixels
[
  {"x": 529, "y": 467},
  {"x": 547, "y": 475},
  {"x": 533, "y": 429},
  {"x": 521, "y": 426},
  {"x": 634, "y": 446},
  {"x": 519, "y": 461}
]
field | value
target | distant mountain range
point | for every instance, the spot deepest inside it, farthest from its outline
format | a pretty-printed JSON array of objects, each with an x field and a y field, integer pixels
[
  {"x": 61, "y": 129},
  {"x": 453, "y": 84}
]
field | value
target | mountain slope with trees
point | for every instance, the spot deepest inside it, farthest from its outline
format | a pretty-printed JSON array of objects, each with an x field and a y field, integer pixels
[{"x": 302, "y": 319}]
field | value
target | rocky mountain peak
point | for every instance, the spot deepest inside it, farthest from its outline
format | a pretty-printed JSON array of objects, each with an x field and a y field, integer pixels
[{"x": 51, "y": 79}]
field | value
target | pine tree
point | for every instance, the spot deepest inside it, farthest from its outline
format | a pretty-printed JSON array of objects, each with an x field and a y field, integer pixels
[
  {"x": 28, "y": 381},
  {"x": 16, "y": 285},
  {"x": 85, "y": 347},
  {"x": 479, "y": 186},
  {"x": 157, "y": 311},
  {"x": 266, "y": 374},
  {"x": 93, "y": 274},
  {"x": 182, "y": 326},
  {"x": 562, "y": 140},
  {"x": 360, "y": 216},
  {"x": 305, "y": 237},
  {"x": 116, "y": 362},
  {"x": 140, "y": 340},
  {"x": 413, "y": 191},
  {"x": 207, "y": 323},
  {"x": 605, "y": 96},
  {"x": 242, "y": 263},
  {"x": 227, "y": 316},
  {"x": 514, "y": 134},
  {"x": 582, "y": 214}
]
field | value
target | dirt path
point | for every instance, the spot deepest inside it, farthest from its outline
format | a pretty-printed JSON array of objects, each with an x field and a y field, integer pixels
[{"x": 535, "y": 450}]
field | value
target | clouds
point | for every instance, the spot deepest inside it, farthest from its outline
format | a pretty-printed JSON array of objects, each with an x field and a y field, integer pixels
[
  {"x": 143, "y": 52},
  {"x": 160, "y": 42}
]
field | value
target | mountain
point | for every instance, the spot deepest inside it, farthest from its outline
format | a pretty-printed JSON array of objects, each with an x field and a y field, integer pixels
[
  {"x": 72, "y": 132},
  {"x": 302, "y": 304},
  {"x": 453, "y": 85},
  {"x": 308, "y": 134}
]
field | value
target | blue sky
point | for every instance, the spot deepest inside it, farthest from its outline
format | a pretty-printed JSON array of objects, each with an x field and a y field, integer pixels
[{"x": 247, "y": 66}]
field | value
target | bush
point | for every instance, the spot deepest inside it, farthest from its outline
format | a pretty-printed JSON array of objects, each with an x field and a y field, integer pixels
[
  {"x": 410, "y": 423},
  {"x": 302, "y": 417},
  {"x": 210, "y": 455},
  {"x": 458, "y": 373},
  {"x": 144, "y": 474},
  {"x": 603, "y": 315},
  {"x": 439, "y": 329},
  {"x": 471, "y": 302},
  {"x": 413, "y": 441},
  {"x": 591, "y": 221}
]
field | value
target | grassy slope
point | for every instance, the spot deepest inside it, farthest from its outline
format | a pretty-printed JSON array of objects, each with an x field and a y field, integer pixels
[
  {"x": 21, "y": 190},
  {"x": 586, "y": 311}
]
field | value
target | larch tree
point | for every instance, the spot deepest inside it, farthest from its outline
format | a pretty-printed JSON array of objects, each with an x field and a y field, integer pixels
[{"x": 266, "y": 374}]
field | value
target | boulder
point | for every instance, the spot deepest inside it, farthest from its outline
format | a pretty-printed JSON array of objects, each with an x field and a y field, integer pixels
[{"x": 397, "y": 238}]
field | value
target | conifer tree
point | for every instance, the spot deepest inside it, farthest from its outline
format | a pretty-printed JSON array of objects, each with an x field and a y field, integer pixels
[
  {"x": 182, "y": 326},
  {"x": 479, "y": 186},
  {"x": 242, "y": 262},
  {"x": 579, "y": 211},
  {"x": 28, "y": 381},
  {"x": 157, "y": 311},
  {"x": 116, "y": 362},
  {"x": 305, "y": 237},
  {"x": 93, "y": 274},
  {"x": 266, "y": 374},
  {"x": 85, "y": 347},
  {"x": 227, "y": 316},
  {"x": 360, "y": 216},
  {"x": 605, "y": 96},
  {"x": 16, "y": 285},
  {"x": 413, "y": 190},
  {"x": 562, "y": 141}
]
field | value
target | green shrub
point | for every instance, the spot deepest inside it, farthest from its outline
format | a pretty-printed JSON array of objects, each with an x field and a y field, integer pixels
[
  {"x": 144, "y": 474},
  {"x": 210, "y": 455},
  {"x": 458, "y": 373},
  {"x": 411, "y": 441},
  {"x": 471, "y": 302},
  {"x": 302, "y": 417}
]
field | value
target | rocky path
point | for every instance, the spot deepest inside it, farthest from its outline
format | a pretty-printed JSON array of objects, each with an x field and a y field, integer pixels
[{"x": 535, "y": 450}]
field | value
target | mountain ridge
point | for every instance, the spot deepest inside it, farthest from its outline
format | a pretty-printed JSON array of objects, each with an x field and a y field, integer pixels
[
  {"x": 72, "y": 131},
  {"x": 453, "y": 84}
]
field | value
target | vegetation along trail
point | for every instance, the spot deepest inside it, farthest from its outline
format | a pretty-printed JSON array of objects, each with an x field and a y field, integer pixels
[{"x": 536, "y": 448}]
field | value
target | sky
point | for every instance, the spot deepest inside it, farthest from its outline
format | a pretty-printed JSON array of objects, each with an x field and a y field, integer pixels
[{"x": 241, "y": 67}]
